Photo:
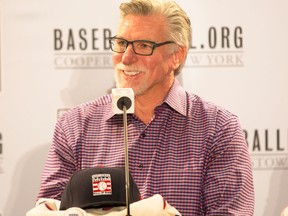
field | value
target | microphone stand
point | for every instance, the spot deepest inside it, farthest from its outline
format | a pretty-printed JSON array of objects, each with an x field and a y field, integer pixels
[
  {"x": 124, "y": 103},
  {"x": 127, "y": 183}
]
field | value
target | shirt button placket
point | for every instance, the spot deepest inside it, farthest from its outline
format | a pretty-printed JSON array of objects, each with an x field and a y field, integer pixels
[{"x": 140, "y": 166}]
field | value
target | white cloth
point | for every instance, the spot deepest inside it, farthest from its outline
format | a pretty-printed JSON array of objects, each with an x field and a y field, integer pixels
[
  {"x": 152, "y": 206},
  {"x": 285, "y": 212}
]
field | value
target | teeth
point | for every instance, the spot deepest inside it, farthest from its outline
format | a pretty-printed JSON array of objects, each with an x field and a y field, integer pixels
[{"x": 131, "y": 73}]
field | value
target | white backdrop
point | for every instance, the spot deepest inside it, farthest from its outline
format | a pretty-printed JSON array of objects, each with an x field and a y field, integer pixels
[{"x": 54, "y": 56}]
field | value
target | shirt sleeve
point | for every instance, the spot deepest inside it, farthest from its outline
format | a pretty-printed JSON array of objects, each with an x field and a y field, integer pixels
[
  {"x": 60, "y": 163},
  {"x": 228, "y": 186}
]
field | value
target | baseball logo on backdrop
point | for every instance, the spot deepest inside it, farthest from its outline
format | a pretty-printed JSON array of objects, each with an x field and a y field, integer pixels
[
  {"x": 268, "y": 148},
  {"x": 82, "y": 48},
  {"x": 217, "y": 47}
]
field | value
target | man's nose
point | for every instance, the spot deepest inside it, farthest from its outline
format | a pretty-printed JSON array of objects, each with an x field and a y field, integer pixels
[{"x": 129, "y": 56}]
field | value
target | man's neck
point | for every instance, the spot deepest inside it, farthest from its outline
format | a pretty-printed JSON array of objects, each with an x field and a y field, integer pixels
[{"x": 145, "y": 104}]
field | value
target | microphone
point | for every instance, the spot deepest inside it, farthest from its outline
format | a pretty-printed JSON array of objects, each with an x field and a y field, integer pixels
[
  {"x": 122, "y": 97},
  {"x": 123, "y": 102}
]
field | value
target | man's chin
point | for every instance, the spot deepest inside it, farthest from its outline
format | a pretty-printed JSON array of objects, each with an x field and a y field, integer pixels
[{"x": 138, "y": 90}]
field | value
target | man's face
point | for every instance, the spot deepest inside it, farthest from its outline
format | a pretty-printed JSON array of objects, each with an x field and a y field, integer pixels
[{"x": 144, "y": 73}]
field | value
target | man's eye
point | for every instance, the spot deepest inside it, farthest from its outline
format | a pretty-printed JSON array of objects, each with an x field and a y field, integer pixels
[
  {"x": 121, "y": 43},
  {"x": 144, "y": 45}
]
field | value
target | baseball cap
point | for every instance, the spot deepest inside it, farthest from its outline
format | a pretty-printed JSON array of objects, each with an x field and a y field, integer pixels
[{"x": 98, "y": 187}]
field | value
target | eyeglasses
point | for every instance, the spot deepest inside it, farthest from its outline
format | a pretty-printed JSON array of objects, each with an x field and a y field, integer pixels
[{"x": 140, "y": 47}]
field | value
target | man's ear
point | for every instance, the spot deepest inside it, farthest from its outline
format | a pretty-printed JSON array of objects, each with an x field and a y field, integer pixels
[{"x": 179, "y": 56}]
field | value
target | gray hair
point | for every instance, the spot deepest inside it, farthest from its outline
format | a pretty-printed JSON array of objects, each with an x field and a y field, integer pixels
[{"x": 178, "y": 23}]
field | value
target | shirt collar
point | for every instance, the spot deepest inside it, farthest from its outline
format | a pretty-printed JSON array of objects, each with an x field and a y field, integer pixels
[
  {"x": 176, "y": 99},
  {"x": 109, "y": 114}
]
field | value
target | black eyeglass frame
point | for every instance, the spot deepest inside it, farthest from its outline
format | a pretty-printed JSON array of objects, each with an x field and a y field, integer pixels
[{"x": 154, "y": 45}]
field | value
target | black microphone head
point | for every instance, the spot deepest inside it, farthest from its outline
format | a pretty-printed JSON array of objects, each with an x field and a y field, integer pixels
[{"x": 124, "y": 101}]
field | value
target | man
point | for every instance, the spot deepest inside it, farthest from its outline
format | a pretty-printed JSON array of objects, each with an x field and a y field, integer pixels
[{"x": 191, "y": 152}]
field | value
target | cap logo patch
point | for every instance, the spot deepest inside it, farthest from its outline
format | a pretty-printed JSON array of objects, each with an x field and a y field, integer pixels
[{"x": 101, "y": 184}]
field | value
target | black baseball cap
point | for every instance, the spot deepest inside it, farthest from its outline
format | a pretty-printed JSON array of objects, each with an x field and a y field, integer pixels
[{"x": 98, "y": 187}]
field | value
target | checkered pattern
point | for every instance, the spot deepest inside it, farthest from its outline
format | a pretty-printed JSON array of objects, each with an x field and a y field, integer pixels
[{"x": 192, "y": 152}]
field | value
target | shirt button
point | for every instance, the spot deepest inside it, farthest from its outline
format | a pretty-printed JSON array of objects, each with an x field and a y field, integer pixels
[
  {"x": 143, "y": 135},
  {"x": 140, "y": 166}
]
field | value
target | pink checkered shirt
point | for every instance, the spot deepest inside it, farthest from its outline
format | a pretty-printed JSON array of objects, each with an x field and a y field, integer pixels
[{"x": 192, "y": 152}]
